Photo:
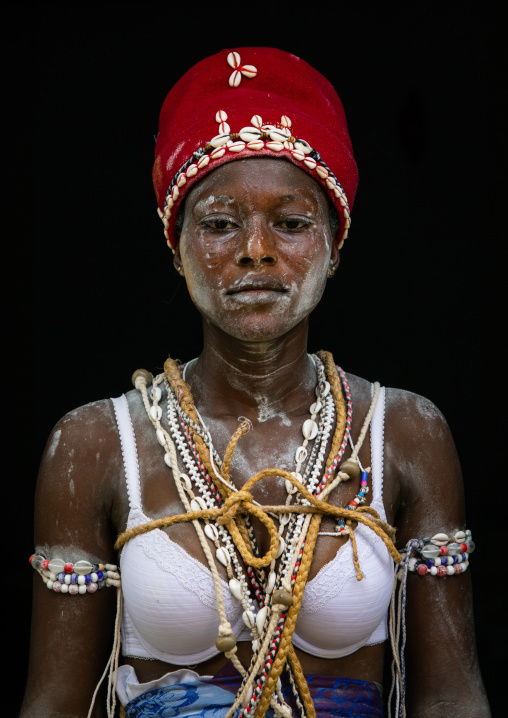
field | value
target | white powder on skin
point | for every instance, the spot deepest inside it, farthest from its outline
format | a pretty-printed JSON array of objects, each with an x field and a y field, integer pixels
[{"x": 55, "y": 440}]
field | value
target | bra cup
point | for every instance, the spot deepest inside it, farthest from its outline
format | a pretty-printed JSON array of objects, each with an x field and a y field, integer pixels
[
  {"x": 161, "y": 583},
  {"x": 339, "y": 614}
]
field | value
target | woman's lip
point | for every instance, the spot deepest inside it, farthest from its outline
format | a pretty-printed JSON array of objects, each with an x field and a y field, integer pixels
[
  {"x": 261, "y": 286},
  {"x": 257, "y": 296}
]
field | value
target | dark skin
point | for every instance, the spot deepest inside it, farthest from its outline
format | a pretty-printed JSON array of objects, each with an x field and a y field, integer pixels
[{"x": 255, "y": 249}]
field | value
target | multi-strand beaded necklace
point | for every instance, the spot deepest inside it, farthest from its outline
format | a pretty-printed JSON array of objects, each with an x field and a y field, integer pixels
[{"x": 205, "y": 488}]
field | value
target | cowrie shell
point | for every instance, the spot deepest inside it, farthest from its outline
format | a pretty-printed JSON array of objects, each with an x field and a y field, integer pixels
[
  {"x": 213, "y": 534},
  {"x": 203, "y": 162},
  {"x": 256, "y": 145},
  {"x": 235, "y": 588},
  {"x": 281, "y": 547},
  {"x": 236, "y": 146},
  {"x": 277, "y": 136},
  {"x": 223, "y": 556},
  {"x": 322, "y": 172},
  {"x": 219, "y": 140},
  {"x": 235, "y": 78},
  {"x": 316, "y": 407},
  {"x": 217, "y": 153},
  {"x": 161, "y": 437},
  {"x": 303, "y": 146},
  {"x": 198, "y": 504},
  {"x": 311, "y": 163},
  {"x": 192, "y": 170},
  {"x": 181, "y": 180},
  {"x": 167, "y": 460},
  {"x": 233, "y": 59},
  {"x": 271, "y": 582},
  {"x": 249, "y": 619},
  {"x": 156, "y": 413},
  {"x": 298, "y": 155},
  {"x": 185, "y": 479},
  {"x": 261, "y": 618},
  {"x": 285, "y": 121},
  {"x": 275, "y": 146},
  {"x": 309, "y": 429},
  {"x": 249, "y": 134},
  {"x": 300, "y": 454},
  {"x": 175, "y": 192},
  {"x": 256, "y": 121},
  {"x": 221, "y": 116},
  {"x": 290, "y": 488},
  {"x": 249, "y": 70}
]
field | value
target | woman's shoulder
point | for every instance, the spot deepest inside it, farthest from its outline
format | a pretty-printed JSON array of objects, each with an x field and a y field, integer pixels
[
  {"x": 406, "y": 413},
  {"x": 83, "y": 451}
]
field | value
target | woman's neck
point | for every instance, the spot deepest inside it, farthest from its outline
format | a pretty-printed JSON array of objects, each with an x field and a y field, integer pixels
[{"x": 262, "y": 379}]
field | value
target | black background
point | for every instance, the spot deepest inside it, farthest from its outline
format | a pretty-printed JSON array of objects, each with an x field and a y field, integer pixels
[{"x": 417, "y": 301}]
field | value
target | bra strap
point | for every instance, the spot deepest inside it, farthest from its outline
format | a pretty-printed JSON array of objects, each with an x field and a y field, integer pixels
[
  {"x": 377, "y": 447},
  {"x": 129, "y": 450}
]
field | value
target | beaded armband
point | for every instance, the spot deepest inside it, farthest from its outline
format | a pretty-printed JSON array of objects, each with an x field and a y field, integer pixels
[
  {"x": 441, "y": 555},
  {"x": 80, "y": 577}
]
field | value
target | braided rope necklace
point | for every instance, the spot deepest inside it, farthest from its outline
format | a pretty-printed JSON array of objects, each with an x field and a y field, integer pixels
[{"x": 279, "y": 593}]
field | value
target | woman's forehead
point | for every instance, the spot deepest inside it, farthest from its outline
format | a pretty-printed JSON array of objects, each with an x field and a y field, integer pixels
[{"x": 249, "y": 179}]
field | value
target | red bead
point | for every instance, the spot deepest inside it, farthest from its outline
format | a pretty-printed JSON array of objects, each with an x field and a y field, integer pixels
[
  {"x": 45, "y": 564},
  {"x": 68, "y": 567},
  {"x": 31, "y": 558},
  {"x": 457, "y": 568},
  {"x": 463, "y": 547},
  {"x": 422, "y": 569},
  {"x": 441, "y": 571},
  {"x": 443, "y": 550}
]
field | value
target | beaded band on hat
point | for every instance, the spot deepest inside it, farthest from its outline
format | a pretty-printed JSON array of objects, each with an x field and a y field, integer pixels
[{"x": 253, "y": 139}]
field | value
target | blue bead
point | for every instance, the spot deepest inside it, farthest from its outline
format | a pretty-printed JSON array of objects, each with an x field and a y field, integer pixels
[
  {"x": 455, "y": 559},
  {"x": 100, "y": 575},
  {"x": 365, "y": 476},
  {"x": 61, "y": 577},
  {"x": 74, "y": 577},
  {"x": 430, "y": 562},
  {"x": 88, "y": 578}
]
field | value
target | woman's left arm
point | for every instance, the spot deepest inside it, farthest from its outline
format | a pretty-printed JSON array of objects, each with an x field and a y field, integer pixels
[{"x": 421, "y": 463}]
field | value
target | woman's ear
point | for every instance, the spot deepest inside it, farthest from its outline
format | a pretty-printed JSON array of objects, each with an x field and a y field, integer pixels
[
  {"x": 177, "y": 261},
  {"x": 334, "y": 259}
]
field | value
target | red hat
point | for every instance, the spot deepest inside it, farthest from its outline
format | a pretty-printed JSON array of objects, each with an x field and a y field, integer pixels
[{"x": 245, "y": 103}]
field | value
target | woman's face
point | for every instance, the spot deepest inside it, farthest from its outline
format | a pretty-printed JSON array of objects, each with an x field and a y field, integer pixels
[{"x": 256, "y": 246}]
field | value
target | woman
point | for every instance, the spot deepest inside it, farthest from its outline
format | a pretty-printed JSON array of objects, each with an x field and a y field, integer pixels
[{"x": 255, "y": 178}]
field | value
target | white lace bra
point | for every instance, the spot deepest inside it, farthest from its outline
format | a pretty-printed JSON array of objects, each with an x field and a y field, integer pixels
[{"x": 170, "y": 607}]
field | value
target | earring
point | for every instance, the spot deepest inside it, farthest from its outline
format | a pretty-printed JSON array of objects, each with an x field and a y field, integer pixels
[
  {"x": 180, "y": 270},
  {"x": 331, "y": 270}
]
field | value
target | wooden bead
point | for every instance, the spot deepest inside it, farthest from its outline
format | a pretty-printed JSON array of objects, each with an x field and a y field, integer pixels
[
  {"x": 351, "y": 468},
  {"x": 225, "y": 643},
  {"x": 142, "y": 373},
  {"x": 283, "y": 597}
]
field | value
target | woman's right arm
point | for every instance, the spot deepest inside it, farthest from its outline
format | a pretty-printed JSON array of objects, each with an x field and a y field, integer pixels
[{"x": 77, "y": 495}]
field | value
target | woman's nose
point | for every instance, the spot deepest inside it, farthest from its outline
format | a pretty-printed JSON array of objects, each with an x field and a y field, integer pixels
[{"x": 256, "y": 250}]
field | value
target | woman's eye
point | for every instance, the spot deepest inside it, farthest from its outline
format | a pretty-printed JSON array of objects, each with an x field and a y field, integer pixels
[
  {"x": 293, "y": 224},
  {"x": 219, "y": 225}
]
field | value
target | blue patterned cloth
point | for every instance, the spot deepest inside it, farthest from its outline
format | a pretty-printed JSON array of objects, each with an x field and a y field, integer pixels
[
  {"x": 332, "y": 696},
  {"x": 184, "y": 700}
]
